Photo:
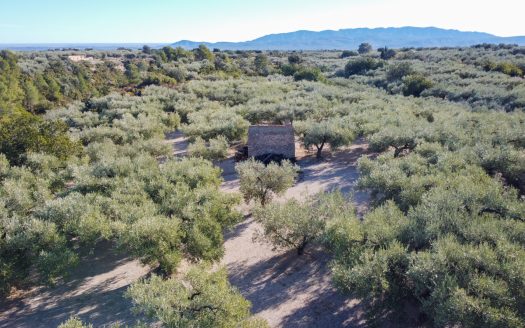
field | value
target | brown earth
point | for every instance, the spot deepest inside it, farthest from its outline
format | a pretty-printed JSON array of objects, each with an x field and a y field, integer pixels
[{"x": 93, "y": 292}]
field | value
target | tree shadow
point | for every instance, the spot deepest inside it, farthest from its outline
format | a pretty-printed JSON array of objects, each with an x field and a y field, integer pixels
[
  {"x": 301, "y": 284},
  {"x": 239, "y": 229},
  {"x": 93, "y": 291}
]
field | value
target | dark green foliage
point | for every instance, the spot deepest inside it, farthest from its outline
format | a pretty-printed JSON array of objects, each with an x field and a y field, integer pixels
[
  {"x": 364, "y": 48},
  {"x": 11, "y": 94},
  {"x": 415, "y": 84},
  {"x": 504, "y": 67},
  {"x": 118, "y": 192},
  {"x": 386, "y": 53},
  {"x": 294, "y": 59},
  {"x": 262, "y": 64},
  {"x": 23, "y": 134},
  {"x": 361, "y": 66},
  {"x": 348, "y": 53},
  {"x": 308, "y": 74},
  {"x": 397, "y": 72},
  {"x": 146, "y": 49},
  {"x": 288, "y": 69},
  {"x": 203, "y": 53},
  {"x": 170, "y": 54}
]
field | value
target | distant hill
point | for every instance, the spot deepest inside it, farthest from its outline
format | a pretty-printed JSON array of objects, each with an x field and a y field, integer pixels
[{"x": 351, "y": 38}]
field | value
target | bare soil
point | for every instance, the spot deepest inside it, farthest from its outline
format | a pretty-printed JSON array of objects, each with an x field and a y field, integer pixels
[
  {"x": 178, "y": 142},
  {"x": 93, "y": 292}
]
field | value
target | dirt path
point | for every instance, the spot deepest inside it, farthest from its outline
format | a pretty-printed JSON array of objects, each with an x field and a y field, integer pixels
[
  {"x": 178, "y": 141},
  {"x": 93, "y": 292},
  {"x": 287, "y": 290}
]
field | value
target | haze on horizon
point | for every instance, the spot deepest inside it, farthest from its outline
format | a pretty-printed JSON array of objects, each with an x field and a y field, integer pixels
[{"x": 164, "y": 21}]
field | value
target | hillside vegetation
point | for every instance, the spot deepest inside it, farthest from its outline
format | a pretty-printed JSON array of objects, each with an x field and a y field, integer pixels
[{"x": 82, "y": 161}]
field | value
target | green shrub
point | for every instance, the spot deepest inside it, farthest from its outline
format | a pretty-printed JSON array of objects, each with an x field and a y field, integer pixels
[
  {"x": 348, "y": 53},
  {"x": 215, "y": 149},
  {"x": 398, "y": 71},
  {"x": 361, "y": 66},
  {"x": 415, "y": 84},
  {"x": 308, "y": 74}
]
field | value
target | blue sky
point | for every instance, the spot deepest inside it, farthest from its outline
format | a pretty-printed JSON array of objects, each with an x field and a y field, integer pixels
[{"x": 159, "y": 21}]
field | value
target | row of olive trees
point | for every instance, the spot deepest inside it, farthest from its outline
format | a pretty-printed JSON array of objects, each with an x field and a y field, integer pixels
[{"x": 54, "y": 209}]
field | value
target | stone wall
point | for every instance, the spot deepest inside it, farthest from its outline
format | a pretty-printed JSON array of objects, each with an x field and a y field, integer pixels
[{"x": 271, "y": 139}]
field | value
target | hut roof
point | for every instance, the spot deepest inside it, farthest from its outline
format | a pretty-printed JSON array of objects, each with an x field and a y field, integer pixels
[{"x": 271, "y": 139}]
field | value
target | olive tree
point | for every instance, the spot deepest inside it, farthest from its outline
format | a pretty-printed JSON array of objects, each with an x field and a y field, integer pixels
[
  {"x": 319, "y": 134},
  {"x": 202, "y": 298},
  {"x": 294, "y": 225},
  {"x": 260, "y": 182}
]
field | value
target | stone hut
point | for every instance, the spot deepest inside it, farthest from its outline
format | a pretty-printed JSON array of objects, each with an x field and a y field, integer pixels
[{"x": 271, "y": 140}]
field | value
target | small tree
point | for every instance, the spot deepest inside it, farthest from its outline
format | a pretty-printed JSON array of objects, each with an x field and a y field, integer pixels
[
  {"x": 262, "y": 64},
  {"x": 203, "y": 53},
  {"x": 364, "y": 48},
  {"x": 201, "y": 299},
  {"x": 294, "y": 59},
  {"x": 260, "y": 182},
  {"x": 386, "y": 53},
  {"x": 146, "y": 49},
  {"x": 319, "y": 134},
  {"x": 294, "y": 225},
  {"x": 31, "y": 96}
]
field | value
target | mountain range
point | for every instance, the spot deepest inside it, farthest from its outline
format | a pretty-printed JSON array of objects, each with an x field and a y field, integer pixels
[{"x": 392, "y": 37}]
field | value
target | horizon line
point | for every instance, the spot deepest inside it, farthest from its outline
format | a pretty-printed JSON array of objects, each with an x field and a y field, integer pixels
[{"x": 248, "y": 40}]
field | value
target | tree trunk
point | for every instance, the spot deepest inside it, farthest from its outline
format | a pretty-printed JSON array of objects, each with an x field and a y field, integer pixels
[
  {"x": 300, "y": 249},
  {"x": 264, "y": 198},
  {"x": 320, "y": 151}
]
